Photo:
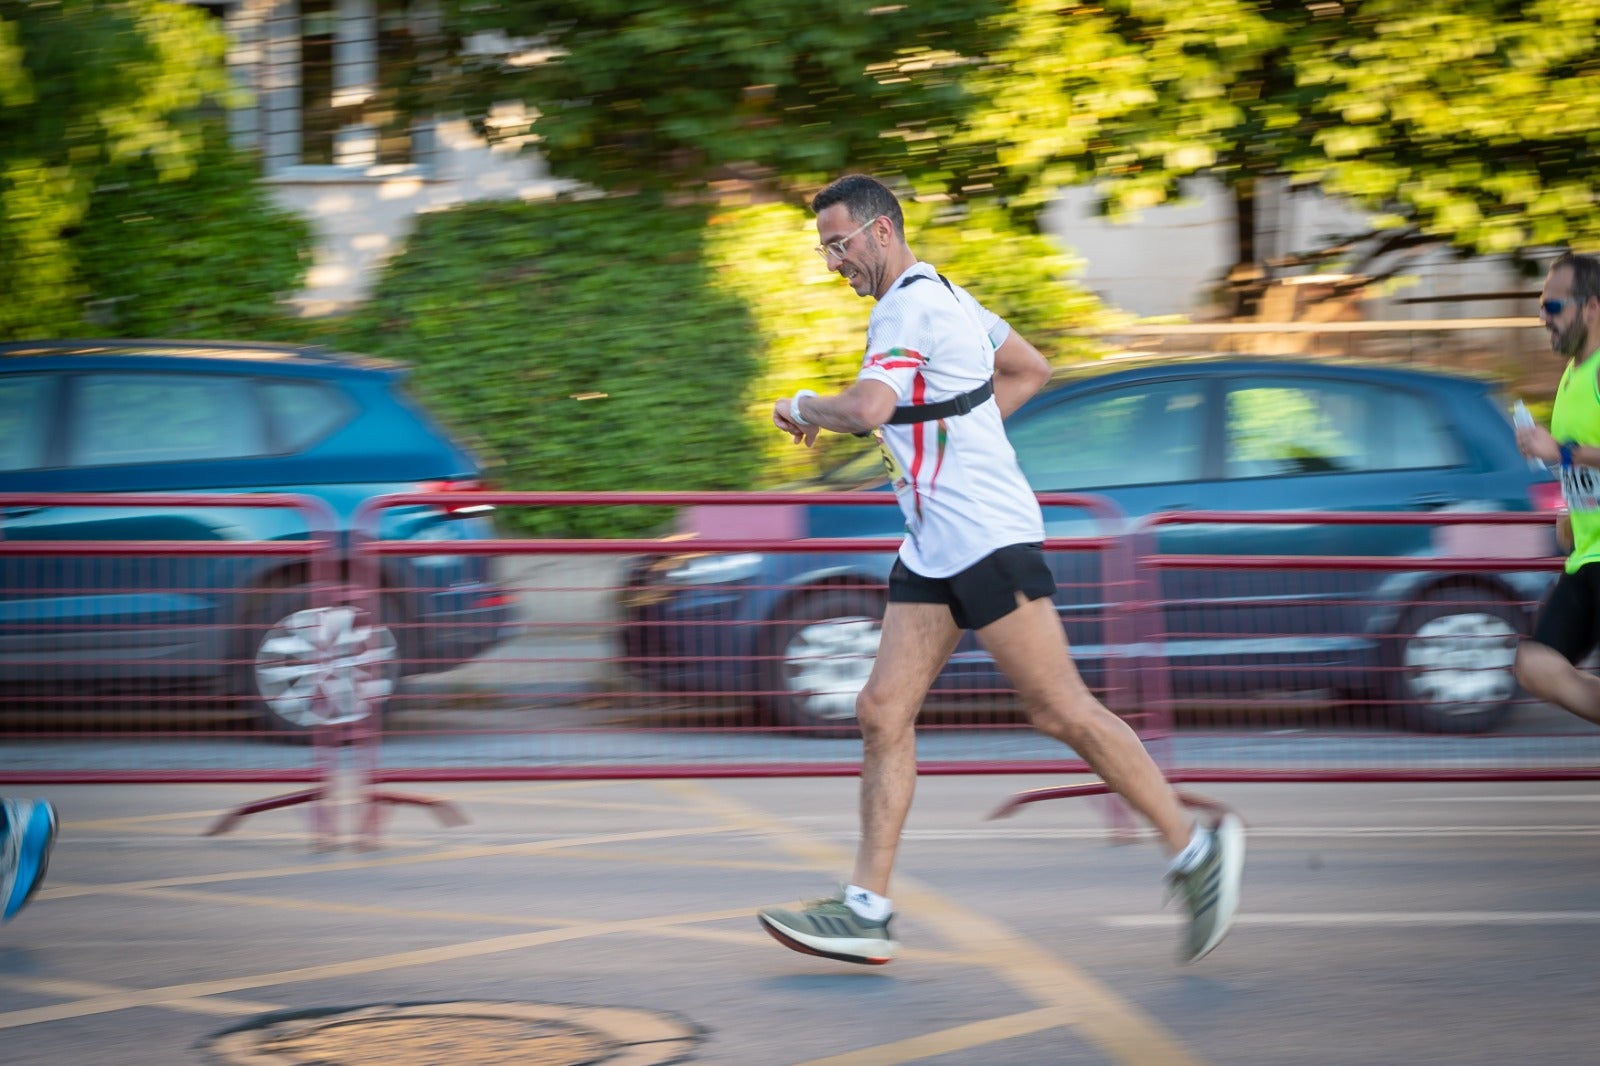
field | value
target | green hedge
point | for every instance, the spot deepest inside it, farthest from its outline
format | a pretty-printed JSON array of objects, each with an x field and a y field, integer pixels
[
  {"x": 583, "y": 345},
  {"x": 205, "y": 256}
]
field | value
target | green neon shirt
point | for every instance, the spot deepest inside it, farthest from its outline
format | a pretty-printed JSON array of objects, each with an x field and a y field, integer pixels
[{"x": 1575, "y": 419}]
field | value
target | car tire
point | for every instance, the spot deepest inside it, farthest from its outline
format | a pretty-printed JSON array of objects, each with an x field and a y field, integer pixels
[
  {"x": 301, "y": 666},
  {"x": 818, "y": 659},
  {"x": 1448, "y": 666}
]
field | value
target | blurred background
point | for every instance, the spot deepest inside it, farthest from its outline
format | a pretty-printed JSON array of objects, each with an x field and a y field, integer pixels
[{"x": 580, "y": 219}]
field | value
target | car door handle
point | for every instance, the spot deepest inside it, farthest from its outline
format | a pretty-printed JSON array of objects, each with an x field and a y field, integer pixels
[{"x": 1432, "y": 501}]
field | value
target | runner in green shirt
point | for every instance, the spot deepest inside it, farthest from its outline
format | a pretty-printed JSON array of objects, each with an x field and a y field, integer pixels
[{"x": 1569, "y": 623}]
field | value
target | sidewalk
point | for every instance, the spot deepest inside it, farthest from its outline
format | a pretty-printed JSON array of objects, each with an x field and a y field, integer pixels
[{"x": 569, "y": 922}]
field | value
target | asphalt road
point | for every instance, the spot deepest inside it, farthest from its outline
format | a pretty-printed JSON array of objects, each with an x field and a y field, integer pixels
[{"x": 1444, "y": 923}]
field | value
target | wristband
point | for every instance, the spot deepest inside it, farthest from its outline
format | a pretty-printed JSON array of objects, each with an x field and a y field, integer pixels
[
  {"x": 1567, "y": 448},
  {"x": 794, "y": 407}
]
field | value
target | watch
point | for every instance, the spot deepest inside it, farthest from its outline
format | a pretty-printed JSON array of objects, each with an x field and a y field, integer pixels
[{"x": 794, "y": 407}]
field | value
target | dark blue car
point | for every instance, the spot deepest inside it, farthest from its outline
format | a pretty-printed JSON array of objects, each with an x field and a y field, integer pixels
[
  {"x": 796, "y": 632},
  {"x": 184, "y": 418}
]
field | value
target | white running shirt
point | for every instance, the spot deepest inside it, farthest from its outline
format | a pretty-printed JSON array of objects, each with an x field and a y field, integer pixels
[{"x": 957, "y": 478}]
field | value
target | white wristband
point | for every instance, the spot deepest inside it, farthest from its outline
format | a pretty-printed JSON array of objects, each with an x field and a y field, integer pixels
[{"x": 794, "y": 407}]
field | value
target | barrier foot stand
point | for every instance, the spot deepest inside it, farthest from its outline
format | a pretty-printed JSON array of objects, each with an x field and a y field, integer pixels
[
  {"x": 379, "y": 802},
  {"x": 1049, "y": 792},
  {"x": 1118, "y": 814},
  {"x": 291, "y": 799}
]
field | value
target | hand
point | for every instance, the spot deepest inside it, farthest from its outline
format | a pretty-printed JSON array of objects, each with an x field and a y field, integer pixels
[
  {"x": 781, "y": 419},
  {"x": 1537, "y": 443}
]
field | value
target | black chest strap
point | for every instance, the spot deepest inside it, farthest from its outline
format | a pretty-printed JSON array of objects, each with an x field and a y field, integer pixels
[{"x": 955, "y": 405}]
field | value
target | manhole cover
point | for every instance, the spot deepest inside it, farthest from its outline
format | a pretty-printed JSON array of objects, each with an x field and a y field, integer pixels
[{"x": 485, "y": 1034}]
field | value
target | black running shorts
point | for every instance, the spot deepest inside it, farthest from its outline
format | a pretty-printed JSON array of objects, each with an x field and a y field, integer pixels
[
  {"x": 984, "y": 592},
  {"x": 1569, "y": 621}
]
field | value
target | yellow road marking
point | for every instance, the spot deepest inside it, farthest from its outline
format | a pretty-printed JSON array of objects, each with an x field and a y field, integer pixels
[
  {"x": 1119, "y": 1028},
  {"x": 70, "y": 891},
  {"x": 56, "y": 986},
  {"x": 945, "y": 1041},
  {"x": 472, "y": 949}
]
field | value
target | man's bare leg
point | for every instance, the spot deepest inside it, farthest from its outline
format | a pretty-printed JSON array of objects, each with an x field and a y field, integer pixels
[
  {"x": 1545, "y": 673},
  {"x": 917, "y": 641},
  {"x": 1030, "y": 648}
]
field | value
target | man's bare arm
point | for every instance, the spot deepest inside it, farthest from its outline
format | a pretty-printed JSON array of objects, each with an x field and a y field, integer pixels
[
  {"x": 1019, "y": 372},
  {"x": 864, "y": 406}
]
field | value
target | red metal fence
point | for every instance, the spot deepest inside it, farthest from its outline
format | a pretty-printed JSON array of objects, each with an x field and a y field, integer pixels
[
  {"x": 127, "y": 659},
  {"x": 735, "y": 646},
  {"x": 631, "y": 664}
]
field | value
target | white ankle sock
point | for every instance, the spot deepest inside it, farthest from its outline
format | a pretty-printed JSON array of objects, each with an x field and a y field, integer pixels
[
  {"x": 869, "y": 905},
  {"x": 1187, "y": 859}
]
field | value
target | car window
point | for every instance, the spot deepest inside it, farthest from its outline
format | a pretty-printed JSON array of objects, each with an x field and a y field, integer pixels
[
  {"x": 24, "y": 412},
  {"x": 1143, "y": 434},
  {"x": 152, "y": 418},
  {"x": 302, "y": 412},
  {"x": 1287, "y": 427}
]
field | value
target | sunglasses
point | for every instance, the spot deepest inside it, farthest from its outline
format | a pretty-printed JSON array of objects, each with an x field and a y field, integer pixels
[
  {"x": 837, "y": 248},
  {"x": 1552, "y": 308}
]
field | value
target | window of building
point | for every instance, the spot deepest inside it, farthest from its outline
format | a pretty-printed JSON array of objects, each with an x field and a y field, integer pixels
[{"x": 356, "y": 58}]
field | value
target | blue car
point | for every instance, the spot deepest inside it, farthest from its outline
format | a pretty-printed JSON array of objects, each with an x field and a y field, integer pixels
[
  {"x": 796, "y": 633},
  {"x": 184, "y": 418}
]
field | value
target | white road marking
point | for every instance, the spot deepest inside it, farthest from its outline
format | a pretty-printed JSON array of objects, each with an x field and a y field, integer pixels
[
  {"x": 1373, "y": 918},
  {"x": 1285, "y": 832},
  {"x": 1501, "y": 799}
]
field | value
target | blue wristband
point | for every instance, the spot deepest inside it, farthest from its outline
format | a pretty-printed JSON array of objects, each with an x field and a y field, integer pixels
[{"x": 1566, "y": 453}]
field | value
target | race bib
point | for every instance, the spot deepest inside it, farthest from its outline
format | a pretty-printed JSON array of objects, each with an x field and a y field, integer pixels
[
  {"x": 904, "y": 491},
  {"x": 1580, "y": 487}
]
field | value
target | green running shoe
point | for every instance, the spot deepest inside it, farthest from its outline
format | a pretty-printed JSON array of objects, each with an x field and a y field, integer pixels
[
  {"x": 828, "y": 927},
  {"x": 1210, "y": 889}
]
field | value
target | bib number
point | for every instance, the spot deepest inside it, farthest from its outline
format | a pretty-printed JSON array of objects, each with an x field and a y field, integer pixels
[
  {"x": 904, "y": 491},
  {"x": 1580, "y": 487}
]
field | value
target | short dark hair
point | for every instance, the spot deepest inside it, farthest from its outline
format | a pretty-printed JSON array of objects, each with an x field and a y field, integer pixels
[
  {"x": 1585, "y": 275},
  {"x": 864, "y": 197}
]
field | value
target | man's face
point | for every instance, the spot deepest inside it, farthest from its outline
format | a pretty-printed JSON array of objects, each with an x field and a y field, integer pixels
[
  {"x": 1569, "y": 332},
  {"x": 862, "y": 263}
]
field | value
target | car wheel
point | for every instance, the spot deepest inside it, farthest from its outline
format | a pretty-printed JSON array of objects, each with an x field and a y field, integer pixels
[
  {"x": 306, "y": 666},
  {"x": 821, "y": 655},
  {"x": 1450, "y": 662}
]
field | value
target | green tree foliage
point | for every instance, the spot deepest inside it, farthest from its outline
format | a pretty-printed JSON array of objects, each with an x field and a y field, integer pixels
[
  {"x": 84, "y": 83},
  {"x": 584, "y": 344},
  {"x": 1457, "y": 121},
  {"x": 206, "y": 254},
  {"x": 781, "y": 93}
]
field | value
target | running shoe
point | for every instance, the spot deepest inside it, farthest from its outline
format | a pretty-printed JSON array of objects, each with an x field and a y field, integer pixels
[
  {"x": 828, "y": 927},
  {"x": 27, "y": 833},
  {"x": 1210, "y": 888}
]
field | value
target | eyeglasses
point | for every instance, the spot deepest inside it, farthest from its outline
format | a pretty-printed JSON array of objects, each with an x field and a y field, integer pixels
[
  {"x": 1552, "y": 308},
  {"x": 837, "y": 248}
]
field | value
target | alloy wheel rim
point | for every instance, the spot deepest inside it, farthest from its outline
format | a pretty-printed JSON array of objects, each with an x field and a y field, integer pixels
[
  {"x": 827, "y": 664},
  {"x": 1460, "y": 663},
  {"x": 325, "y": 666}
]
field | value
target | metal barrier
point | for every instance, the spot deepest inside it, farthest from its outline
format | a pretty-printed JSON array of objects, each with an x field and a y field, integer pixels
[
  {"x": 732, "y": 650},
  {"x": 197, "y": 637},
  {"x": 735, "y": 646},
  {"x": 1294, "y": 666},
  {"x": 110, "y": 644}
]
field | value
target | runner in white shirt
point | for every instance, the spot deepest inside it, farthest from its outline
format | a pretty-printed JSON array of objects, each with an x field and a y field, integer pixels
[
  {"x": 959, "y": 484},
  {"x": 940, "y": 375}
]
